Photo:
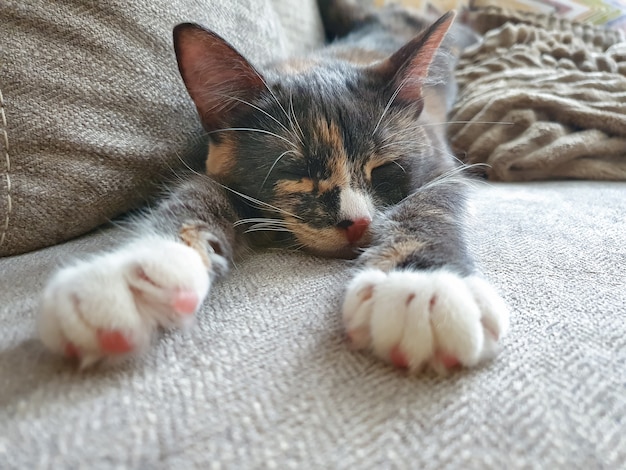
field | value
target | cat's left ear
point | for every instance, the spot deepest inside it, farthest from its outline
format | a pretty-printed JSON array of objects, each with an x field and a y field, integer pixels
[
  {"x": 407, "y": 70},
  {"x": 219, "y": 79}
]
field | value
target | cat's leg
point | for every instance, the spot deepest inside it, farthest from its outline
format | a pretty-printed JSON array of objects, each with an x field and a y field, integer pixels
[
  {"x": 111, "y": 304},
  {"x": 417, "y": 301}
]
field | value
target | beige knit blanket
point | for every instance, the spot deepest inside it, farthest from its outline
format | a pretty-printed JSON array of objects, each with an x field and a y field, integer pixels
[{"x": 542, "y": 98}]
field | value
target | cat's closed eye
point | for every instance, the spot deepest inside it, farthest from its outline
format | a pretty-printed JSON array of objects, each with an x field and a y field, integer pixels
[
  {"x": 293, "y": 173},
  {"x": 386, "y": 170},
  {"x": 389, "y": 179}
]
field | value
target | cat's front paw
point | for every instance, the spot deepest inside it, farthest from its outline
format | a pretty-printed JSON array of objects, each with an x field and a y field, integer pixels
[
  {"x": 418, "y": 318},
  {"x": 111, "y": 305}
]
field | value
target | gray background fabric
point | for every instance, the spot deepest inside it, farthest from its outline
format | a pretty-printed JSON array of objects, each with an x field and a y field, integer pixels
[
  {"x": 94, "y": 111},
  {"x": 265, "y": 379}
]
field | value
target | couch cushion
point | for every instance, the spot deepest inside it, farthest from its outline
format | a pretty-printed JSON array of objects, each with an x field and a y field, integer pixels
[
  {"x": 266, "y": 380},
  {"x": 92, "y": 111}
]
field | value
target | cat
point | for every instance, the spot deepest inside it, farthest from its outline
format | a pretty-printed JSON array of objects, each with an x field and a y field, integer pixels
[{"x": 340, "y": 153}]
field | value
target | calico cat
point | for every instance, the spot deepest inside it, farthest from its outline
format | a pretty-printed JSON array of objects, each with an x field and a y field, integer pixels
[{"x": 340, "y": 153}]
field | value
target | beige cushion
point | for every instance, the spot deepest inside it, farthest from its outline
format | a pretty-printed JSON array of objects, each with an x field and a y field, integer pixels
[
  {"x": 93, "y": 112},
  {"x": 266, "y": 380}
]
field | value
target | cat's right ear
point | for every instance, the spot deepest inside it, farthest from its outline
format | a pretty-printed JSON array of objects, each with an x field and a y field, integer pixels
[
  {"x": 219, "y": 80},
  {"x": 406, "y": 71}
]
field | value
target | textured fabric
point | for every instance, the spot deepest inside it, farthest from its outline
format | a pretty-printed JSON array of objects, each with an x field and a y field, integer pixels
[
  {"x": 610, "y": 13},
  {"x": 265, "y": 379},
  {"x": 93, "y": 112},
  {"x": 542, "y": 98}
]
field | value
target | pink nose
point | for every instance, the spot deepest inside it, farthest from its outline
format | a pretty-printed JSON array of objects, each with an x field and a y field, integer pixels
[{"x": 355, "y": 228}]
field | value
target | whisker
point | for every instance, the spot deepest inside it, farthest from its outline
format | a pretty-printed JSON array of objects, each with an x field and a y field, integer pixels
[
  {"x": 267, "y": 87},
  {"x": 264, "y": 205},
  {"x": 250, "y": 129},
  {"x": 186, "y": 165},
  {"x": 293, "y": 113},
  {"x": 504, "y": 123},
  {"x": 253, "y": 220},
  {"x": 258, "y": 109},
  {"x": 273, "y": 165},
  {"x": 389, "y": 103},
  {"x": 404, "y": 130},
  {"x": 297, "y": 247},
  {"x": 267, "y": 229},
  {"x": 408, "y": 130},
  {"x": 423, "y": 144},
  {"x": 401, "y": 167},
  {"x": 400, "y": 142},
  {"x": 445, "y": 152},
  {"x": 266, "y": 226},
  {"x": 450, "y": 176}
]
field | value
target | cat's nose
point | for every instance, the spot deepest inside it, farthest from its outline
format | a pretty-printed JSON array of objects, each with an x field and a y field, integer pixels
[{"x": 354, "y": 229}]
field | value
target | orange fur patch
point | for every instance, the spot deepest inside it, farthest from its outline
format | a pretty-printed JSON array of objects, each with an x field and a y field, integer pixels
[
  {"x": 304, "y": 185},
  {"x": 191, "y": 235},
  {"x": 388, "y": 258},
  {"x": 330, "y": 134},
  {"x": 221, "y": 157},
  {"x": 373, "y": 163},
  {"x": 327, "y": 241}
]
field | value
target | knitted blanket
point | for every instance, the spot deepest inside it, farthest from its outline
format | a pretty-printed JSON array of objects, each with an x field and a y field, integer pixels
[{"x": 540, "y": 98}]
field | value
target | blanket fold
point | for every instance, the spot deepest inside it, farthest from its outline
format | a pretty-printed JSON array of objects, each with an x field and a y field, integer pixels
[{"x": 541, "y": 98}]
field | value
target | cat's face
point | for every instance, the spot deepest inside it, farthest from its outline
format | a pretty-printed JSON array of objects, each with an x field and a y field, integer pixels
[
  {"x": 323, "y": 148},
  {"x": 316, "y": 156}
]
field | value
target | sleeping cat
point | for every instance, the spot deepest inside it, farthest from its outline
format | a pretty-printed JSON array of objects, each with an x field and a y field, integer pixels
[{"x": 340, "y": 153}]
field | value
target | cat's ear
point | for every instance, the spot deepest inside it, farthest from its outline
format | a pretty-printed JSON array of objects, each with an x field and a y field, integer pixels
[
  {"x": 406, "y": 71},
  {"x": 218, "y": 78}
]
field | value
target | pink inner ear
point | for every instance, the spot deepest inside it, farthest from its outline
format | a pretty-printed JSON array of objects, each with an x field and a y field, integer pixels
[
  {"x": 415, "y": 75},
  {"x": 217, "y": 77},
  {"x": 422, "y": 51}
]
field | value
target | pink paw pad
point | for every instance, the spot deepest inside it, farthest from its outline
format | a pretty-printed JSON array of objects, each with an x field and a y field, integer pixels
[
  {"x": 185, "y": 302},
  {"x": 398, "y": 358},
  {"x": 71, "y": 351},
  {"x": 447, "y": 360},
  {"x": 114, "y": 342}
]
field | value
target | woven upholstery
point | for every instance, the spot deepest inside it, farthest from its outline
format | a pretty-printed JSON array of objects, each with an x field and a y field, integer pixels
[
  {"x": 95, "y": 114},
  {"x": 265, "y": 379}
]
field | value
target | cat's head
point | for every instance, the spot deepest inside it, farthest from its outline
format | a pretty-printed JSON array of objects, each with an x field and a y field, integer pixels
[{"x": 322, "y": 143}]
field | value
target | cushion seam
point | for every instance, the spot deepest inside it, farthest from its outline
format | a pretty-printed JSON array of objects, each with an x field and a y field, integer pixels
[{"x": 4, "y": 141}]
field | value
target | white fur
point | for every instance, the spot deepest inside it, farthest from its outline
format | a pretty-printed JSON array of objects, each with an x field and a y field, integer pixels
[
  {"x": 354, "y": 205},
  {"x": 425, "y": 314},
  {"x": 130, "y": 290}
]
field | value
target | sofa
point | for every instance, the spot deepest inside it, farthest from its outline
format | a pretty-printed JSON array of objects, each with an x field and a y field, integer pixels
[{"x": 95, "y": 118}]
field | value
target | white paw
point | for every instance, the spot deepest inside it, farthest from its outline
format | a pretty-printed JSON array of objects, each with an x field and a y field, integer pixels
[
  {"x": 418, "y": 318},
  {"x": 111, "y": 305}
]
